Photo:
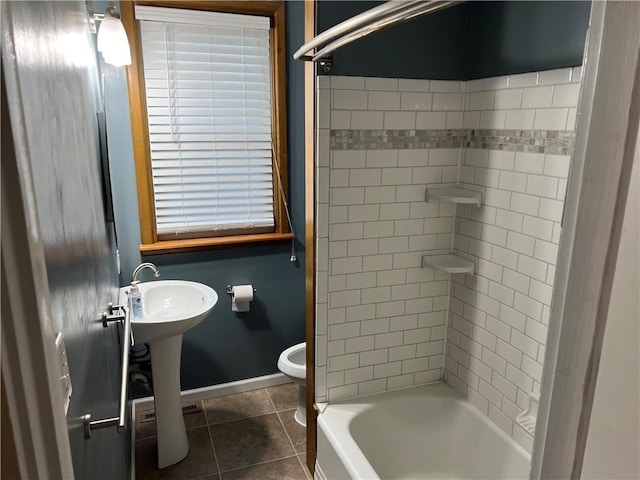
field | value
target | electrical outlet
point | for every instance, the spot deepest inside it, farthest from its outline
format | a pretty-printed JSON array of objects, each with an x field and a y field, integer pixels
[{"x": 65, "y": 378}]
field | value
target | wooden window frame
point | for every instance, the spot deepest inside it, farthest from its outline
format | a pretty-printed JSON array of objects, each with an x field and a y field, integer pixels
[{"x": 150, "y": 244}]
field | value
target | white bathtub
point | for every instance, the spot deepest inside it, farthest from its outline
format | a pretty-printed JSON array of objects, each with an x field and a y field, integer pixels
[{"x": 422, "y": 432}]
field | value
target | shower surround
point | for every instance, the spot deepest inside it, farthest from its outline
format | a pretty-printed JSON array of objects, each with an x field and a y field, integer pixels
[
  {"x": 381, "y": 318},
  {"x": 382, "y": 321}
]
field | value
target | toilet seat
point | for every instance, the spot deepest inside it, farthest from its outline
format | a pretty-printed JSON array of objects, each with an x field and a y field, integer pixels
[{"x": 292, "y": 361}]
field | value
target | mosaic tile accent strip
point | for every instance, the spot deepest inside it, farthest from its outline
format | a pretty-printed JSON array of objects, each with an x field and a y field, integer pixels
[
  {"x": 395, "y": 139},
  {"x": 558, "y": 142}
]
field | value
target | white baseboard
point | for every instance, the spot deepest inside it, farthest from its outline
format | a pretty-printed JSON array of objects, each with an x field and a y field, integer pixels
[{"x": 221, "y": 390}]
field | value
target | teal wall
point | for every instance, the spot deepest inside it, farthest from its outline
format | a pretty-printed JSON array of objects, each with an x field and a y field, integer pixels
[
  {"x": 517, "y": 37},
  {"x": 431, "y": 47},
  {"x": 473, "y": 40},
  {"x": 225, "y": 346}
]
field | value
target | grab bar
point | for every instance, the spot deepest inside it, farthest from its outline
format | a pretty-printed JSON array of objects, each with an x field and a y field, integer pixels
[{"x": 122, "y": 314}]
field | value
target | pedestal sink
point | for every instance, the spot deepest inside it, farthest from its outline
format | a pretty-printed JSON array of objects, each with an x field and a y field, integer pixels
[{"x": 171, "y": 307}]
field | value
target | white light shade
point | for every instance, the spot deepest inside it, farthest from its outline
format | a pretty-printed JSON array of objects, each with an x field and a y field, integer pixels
[{"x": 113, "y": 42}]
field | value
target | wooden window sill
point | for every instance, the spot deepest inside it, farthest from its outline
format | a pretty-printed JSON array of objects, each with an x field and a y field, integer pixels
[{"x": 211, "y": 243}]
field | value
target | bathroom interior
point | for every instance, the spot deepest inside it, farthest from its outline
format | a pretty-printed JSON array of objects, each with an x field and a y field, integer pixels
[{"x": 385, "y": 308}]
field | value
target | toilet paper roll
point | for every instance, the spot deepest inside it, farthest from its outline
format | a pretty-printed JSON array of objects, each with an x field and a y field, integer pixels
[{"x": 241, "y": 295}]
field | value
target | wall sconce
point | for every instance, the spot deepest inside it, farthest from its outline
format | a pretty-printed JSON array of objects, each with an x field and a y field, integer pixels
[{"x": 113, "y": 43}]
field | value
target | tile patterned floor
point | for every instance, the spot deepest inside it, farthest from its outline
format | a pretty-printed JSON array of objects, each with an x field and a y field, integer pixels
[{"x": 250, "y": 435}]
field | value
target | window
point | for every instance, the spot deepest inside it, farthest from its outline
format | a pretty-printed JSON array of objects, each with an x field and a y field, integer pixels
[{"x": 208, "y": 122}]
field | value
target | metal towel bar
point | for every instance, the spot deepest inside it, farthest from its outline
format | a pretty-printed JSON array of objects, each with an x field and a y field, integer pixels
[{"x": 122, "y": 314}]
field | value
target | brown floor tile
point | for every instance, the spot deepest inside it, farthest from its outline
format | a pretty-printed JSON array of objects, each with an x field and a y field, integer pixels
[
  {"x": 195, "y": 419},
  {"x": 285, "y": 469},
  {"x": 246, "y": 442},
  {"x": 237, "y": 406},
  {"x": 284, "y": 397},
  {"x": 148, "y": 429},
  {"x": 209, "y": 477},
  {"x": 297, "y": 433},
  {"x": 144, "y": 429},
  {"x": 198, "y": 463}
]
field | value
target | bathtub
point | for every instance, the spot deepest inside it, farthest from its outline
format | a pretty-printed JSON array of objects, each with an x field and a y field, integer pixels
[{"x": 421, "y": 432}]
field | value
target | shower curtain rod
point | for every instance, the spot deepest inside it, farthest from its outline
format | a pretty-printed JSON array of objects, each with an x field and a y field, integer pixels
[
  {"x": 351, "y": 24},
  {"x": 407, "y": 14},
  {"x": 390, "y": 13}
]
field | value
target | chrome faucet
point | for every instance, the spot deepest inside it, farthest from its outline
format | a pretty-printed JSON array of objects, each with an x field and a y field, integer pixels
[{"x": 142, "y": 266}]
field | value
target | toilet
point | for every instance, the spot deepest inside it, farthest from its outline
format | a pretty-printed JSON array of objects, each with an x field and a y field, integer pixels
[{"x": 293, "y": 364}]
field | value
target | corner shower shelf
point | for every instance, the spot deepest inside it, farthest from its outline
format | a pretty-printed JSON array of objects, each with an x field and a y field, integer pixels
[
  {"x": 454, "y": 195},
  {"x": 527, "y": 419},
  {"x": 449, "y": 263}
]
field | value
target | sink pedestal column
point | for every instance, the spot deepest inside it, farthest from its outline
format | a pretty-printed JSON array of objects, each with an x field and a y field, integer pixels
[{"x": 173, "y": 445}]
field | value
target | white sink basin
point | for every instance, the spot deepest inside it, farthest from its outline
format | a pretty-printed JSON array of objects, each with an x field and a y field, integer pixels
[{"x": 171, "y": 307}]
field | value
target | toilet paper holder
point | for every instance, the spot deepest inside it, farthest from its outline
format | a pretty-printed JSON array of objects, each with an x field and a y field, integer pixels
[{"x": 229, "y": 290}]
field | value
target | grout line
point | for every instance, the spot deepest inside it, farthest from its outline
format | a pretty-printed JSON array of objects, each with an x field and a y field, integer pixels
[
  {"x": 256, "y": 464},
  {"x": 140, "y": 439},
  {"x": 213, "y": 448},
  {"x": 243, "y": 418},
  {"x": 282, "y": 424},
  {"x": 208, "y": 425},
  {"x": 255, "y": 416},
  {"x": 240, "y": 419},
  {"x": 508, "y": 306}
]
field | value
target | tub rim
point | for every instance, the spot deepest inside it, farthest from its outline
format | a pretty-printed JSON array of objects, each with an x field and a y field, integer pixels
[{"x": 341, "y": 440}]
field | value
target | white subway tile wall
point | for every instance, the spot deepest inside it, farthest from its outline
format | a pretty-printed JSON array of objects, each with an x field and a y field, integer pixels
[
  {"x": 497, "y": 329},
  {"x": 381, "y": 317},
  {"x": 381, "y": 320}
]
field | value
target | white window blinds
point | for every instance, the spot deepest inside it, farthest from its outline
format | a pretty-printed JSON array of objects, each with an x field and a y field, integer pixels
[{"x": 208, "y": 90}]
